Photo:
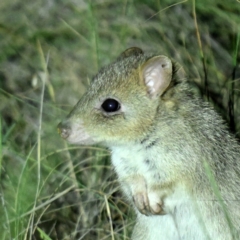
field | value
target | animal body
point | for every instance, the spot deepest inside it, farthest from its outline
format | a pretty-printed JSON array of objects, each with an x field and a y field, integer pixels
[{"x": 177, "y": 163}]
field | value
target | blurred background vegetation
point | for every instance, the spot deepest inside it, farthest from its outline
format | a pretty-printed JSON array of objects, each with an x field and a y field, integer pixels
[{"x": 49, "y": 52}]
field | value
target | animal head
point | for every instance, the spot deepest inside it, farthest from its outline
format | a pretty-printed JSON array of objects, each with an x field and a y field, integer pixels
[{"x": 121, "y": 102}]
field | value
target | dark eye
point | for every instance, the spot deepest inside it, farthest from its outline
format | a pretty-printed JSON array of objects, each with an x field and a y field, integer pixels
[{"x": 110, "y": 105}]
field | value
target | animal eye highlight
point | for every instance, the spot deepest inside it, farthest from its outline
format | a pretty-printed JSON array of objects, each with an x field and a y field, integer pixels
[{"x": 110, "y": 105}]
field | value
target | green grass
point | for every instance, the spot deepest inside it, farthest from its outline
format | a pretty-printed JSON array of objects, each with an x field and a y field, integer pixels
[{"x": 49, "y": 52}]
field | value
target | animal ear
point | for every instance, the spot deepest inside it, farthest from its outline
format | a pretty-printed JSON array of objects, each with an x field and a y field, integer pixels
[
  {"x": 133, "y": 51},
  {"x": 157, "y": 75}
]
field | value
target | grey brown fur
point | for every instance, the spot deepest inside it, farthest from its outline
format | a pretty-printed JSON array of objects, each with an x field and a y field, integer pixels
[{"x": 177, "y": 163}]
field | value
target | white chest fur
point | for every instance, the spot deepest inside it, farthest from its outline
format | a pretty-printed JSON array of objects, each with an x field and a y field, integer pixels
[
  {"x": 135, "y": 159},
  {"x": 183, "y": 218}
]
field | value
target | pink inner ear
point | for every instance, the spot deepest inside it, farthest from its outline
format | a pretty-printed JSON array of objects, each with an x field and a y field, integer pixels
[{"x": 157, "y": 75}]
